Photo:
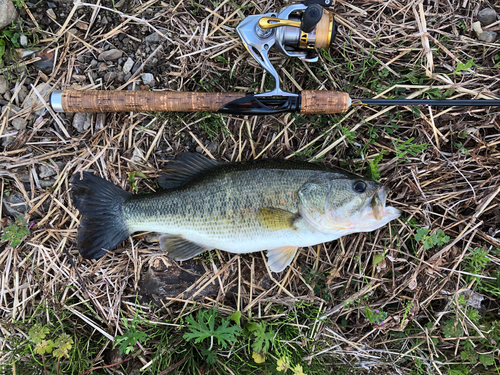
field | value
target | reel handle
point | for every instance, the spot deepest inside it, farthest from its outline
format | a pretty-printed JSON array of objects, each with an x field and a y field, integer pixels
[{"x": 312, "y": 15}]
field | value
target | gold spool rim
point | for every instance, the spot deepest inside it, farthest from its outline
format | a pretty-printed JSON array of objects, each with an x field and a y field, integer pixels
[{"x": 330, "y": 30}]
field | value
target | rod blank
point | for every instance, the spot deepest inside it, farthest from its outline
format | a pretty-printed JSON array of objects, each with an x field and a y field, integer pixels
[{"x": 425, "y": 102}]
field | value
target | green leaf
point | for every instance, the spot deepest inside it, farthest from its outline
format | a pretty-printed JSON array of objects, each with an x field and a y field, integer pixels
[
  {"x": 2, "y": 48},
  {"x": 469, "y": 355},
  {"x": 377, "y": 258},
  {"x": 44, "y": 346},
  {"x": 263, "y": 339},
  {"x": 235, "y": 317},
  {"x": 63, "y": 344},
  {"x": 462, "y": 66},
  {"x": 210, "y": 356},
  {"x": 16, "y": 231},
  {"x": 129, "y": 339},
  {"x": 204, "y": 328},
  {"x": 38, "y": 332},
  {"x": 487, "y": 359},
  {"x": 251, "y": 326},
  {"x": 452, "y": 329},
  {"x": 421, "y": 232}
]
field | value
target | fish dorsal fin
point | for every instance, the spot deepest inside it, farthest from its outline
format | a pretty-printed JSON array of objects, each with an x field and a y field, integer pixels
[
  {"x": 184, "y": 168},
  {"x": 280, "y": 257},
  {"x": 276, "y": 218},
  {"x": 179, "y": 248}
]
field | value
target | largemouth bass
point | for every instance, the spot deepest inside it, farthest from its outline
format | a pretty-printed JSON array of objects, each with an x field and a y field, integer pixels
[{"x": 271, "y": 205}]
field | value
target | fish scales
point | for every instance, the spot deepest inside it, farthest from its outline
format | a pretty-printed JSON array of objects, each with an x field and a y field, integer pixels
[{"x": 222, "y": 203}]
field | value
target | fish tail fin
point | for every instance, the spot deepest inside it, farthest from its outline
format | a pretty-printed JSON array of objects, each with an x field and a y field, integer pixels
[{"x": 100, "y": 203}]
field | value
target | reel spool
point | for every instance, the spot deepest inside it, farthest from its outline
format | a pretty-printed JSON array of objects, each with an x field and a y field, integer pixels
[{"x": 297, "y": 31}]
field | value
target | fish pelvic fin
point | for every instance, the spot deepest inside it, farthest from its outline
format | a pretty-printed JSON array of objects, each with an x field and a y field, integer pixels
[
  {"x": 280, "y": 258},
  {"x": 183, "y": 169},
  {"x": 276, "y": 218},
  {"x": 100, "y": 204},
  {"x": 179, "y": 248}
]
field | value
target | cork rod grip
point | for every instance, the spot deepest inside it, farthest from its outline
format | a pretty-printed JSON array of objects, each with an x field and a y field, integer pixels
[
  {"x": 324, "y": 102},
  {"x": 133, "y": 101}
]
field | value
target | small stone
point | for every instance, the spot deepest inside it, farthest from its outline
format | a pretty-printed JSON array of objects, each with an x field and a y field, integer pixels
[
  {"x": 488, "y": 36},
  {"x": 111, "y": 55},
  {"x": 109, "y": 76},
  {"x": 22, "y": 94},
  {"x": 14, "y": 205},
  {"x": 127, "y": 67},
  {"x": 82, "y": 122},
  {"x": 23, "y": 40},
  {"x": 51, "y": 4},
  {"x": 93, "y": 63},
  {"x": 81, "y": 59},
  {"x": 103, "y": 67},
  {"x": 14, "y": 110},
  {"x": 6, "y": 141},
  {"x": 19, "y": 123},
  {"x": 21, "y": 53},
  {"x": 148, "y": 79},
  {"x": 51, "y": 14},
  {"x": 82, "y": 25},
  {"x": 4, "y": 85},
  {"x": 153, "y": 38},
  {"x": 46, "y": 61},
  {"x": 104, "y": 20},
  {"x": 31, "y": 100},
  {"x": 120, "y": 77},
  {"x": 476, "y": 26},
  {"x": 45, "y": 171},
  {"x": 8, "y": 13},
  {"x": 136, "y": 67},
  {"x": 212, "y": 147},
  {"x": 487, "y": 16},
  {"x": 7, "y": 96}
]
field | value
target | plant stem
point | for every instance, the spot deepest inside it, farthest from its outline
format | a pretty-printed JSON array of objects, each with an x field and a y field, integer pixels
[{"x": 44, "y": 367}]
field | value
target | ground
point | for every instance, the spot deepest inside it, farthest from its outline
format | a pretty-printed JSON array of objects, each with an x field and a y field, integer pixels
[{"x": 418, "y": 296}]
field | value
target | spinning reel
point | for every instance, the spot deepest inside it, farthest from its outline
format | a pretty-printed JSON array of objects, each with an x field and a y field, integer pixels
[{"x": 297, "y": 31}]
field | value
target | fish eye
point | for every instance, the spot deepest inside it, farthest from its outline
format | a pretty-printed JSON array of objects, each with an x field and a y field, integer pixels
[{"x": 359, "y": 187}]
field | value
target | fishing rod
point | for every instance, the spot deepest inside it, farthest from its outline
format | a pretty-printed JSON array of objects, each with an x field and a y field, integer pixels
[{"x": 299, "y": 31}]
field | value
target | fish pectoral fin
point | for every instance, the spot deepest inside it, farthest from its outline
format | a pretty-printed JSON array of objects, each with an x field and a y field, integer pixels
[
  {"x": 280, "y": 257},
  {"x": 183, "y": 169},
  {"x": 179, "y": 248},
  {"x": 276, "y": 218}
]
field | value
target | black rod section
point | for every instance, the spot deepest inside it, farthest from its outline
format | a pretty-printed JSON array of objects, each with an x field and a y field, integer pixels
[{"x": 425, "y": 102}]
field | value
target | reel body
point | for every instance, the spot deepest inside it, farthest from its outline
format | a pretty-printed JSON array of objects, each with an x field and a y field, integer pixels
[{"x": 297, "y": 31}]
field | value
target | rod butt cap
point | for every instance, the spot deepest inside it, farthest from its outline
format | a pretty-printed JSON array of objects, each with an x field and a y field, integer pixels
[{"x": 55, "y": 101}]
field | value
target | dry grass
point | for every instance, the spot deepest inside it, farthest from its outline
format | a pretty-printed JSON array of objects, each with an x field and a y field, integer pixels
[{"x": 388, "y": 48}]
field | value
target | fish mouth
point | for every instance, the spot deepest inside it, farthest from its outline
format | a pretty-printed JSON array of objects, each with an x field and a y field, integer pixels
[{"x": 378, "y": 205}]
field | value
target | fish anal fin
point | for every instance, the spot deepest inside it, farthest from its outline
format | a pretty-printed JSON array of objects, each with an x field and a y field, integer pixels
[
  {"x": 276, "y": 218},
  {"x": 280, "y": 257},
  {"x": 179, "y": 248},
  {"x": 183, "y": 169}
]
